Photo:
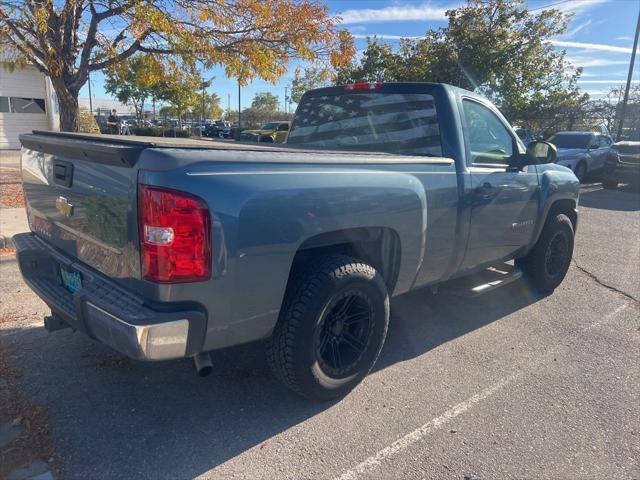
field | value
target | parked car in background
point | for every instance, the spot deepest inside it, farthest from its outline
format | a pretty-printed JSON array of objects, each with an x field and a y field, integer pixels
[
  {"x": 272, "y": 132},
  {"x": 582, "y": 152},
  {"x": 525, "y": 134},
  {"x": 217, "y": 129},
  {"x": 168, "y": 249},
  {"x": 234, "y": 131},
  {"x": 622, "y": 164}
]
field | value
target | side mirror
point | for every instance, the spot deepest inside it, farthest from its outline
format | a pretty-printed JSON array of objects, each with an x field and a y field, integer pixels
[
  {"x": 593, "y": 147},
  {"x": 540, "y": 152}
]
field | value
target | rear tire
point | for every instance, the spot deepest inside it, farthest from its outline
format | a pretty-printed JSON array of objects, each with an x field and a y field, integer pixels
[
  {"x": 547, "y": 264},
  {"x": 331, "y": 329}
]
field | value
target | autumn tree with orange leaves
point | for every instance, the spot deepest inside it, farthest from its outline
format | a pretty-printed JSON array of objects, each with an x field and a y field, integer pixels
[{"x": 68, "y": 39}]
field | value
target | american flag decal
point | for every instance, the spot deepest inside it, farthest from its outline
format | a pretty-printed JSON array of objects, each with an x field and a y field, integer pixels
[{"x": 398, "y": 123}]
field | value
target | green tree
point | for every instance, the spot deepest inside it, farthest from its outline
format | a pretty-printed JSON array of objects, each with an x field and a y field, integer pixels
[
  {"x": 498, "y": 48},
  {"x": 131, "y": 82},
  {"x": 212, "y": 108},
  {"x": 230, "y": 115},
  {"x": 67, "y": 39},
  {"x": 168, "y": 111},
  {"x": 310, "y": 78},
  {"x": 182, "y": 92},
  {"x": 378, "y": 62},
  {"x": 265, "y": 101}
]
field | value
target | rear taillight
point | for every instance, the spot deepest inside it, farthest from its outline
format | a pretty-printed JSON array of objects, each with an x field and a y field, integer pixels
[
  {"x": 363, "y": 86},
  {"x": 175, "y": 236}
]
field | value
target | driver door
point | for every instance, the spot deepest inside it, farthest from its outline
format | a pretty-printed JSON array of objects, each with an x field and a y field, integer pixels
[{"x": 503, "y": 199}]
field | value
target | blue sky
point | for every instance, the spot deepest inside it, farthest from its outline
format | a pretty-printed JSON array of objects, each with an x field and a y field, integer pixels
[{"x": 599, "y": 39}]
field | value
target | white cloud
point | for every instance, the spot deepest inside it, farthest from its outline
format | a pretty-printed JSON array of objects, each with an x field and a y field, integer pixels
[
  {"x": 585, "y": 47},
  {"x": 591, "y": 46},
  {"x": 424, "y": 11},
  {"x": 572, "y": 33},
  {"x": 596, "y": 93},
  {"x": 607, "y": 81},
  {"x": 595, "y": 62},
  {"x": 577, "y": 6},
  {"x": 392, "y": 14},
  {"x": 355, "y": 29},
  {"x": 625, "y": 38},
  {"x": 384, "y": 36}
]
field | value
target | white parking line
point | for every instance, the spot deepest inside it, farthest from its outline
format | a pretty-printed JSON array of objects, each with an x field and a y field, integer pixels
[
  {"x": 420, "y": 432},
  {"x": 409, "y": 439},
  {"x": 607, "y": 317}
]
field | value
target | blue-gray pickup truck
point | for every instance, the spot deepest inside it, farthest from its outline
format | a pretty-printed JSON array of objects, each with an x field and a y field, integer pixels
[{"x": 169, "y": 248}]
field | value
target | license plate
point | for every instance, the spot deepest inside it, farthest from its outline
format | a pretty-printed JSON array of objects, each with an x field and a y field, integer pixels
[{"x": 71, "y": 279}]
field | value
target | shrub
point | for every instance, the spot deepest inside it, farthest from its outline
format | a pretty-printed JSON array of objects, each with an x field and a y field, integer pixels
[{"x": 87, "y": 122}]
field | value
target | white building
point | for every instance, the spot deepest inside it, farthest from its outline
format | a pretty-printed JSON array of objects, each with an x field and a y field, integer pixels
[
  {"x": 103, "y": 106},
  {"x": 27, "y": 102}
]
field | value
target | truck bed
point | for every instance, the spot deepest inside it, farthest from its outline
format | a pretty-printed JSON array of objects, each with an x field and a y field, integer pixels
[{"x": 127, "y": 151}]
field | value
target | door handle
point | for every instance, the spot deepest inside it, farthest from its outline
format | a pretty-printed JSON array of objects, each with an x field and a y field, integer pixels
[{"x": 486, "y": 187}]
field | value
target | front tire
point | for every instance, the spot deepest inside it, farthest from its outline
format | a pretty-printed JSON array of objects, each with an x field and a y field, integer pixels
[
  {"x": 331, "y": 329},
  {"x": 547, "y": 264}
]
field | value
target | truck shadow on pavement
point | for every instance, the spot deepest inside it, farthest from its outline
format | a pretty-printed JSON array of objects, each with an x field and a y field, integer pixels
[
  {"x": 626, "y": 198},
  {"x": 115, "y": 418}
]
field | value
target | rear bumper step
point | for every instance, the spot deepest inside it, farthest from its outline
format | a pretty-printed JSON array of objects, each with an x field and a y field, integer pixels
[{"x": 106, "y": 311}]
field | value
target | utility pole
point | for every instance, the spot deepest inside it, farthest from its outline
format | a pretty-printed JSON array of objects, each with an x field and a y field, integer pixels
[
  {"x": 285, "y": 99},
  {"x": 204, "y": 84},
  {"x": 239, "y": 110},
  {"x": 228, "y": 102},
  {"x": 202, "y": 115},
  {"x": 626, "y": 90}
]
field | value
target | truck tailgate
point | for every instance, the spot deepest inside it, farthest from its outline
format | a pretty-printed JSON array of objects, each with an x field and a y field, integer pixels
[{"x": 81, "y": 198}]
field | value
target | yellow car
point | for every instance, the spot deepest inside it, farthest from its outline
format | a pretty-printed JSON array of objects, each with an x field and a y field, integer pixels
[{"x": 272, "y": 132}]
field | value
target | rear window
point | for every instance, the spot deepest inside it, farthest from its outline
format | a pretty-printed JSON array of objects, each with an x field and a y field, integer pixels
[
  {"x": 400, "y": 123},
  {"x": 570, "y": 140}
]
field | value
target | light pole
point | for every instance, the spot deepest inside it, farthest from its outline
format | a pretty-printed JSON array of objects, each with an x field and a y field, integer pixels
[
  {"x": 626, "y": 90},
  {"x": 204, "y": 84},
  {"x": 285, "y": 99},
  {"x": 239, "y": 109}
]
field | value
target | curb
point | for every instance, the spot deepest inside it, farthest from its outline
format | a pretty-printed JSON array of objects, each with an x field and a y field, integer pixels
[{"x": 6, "y": 242}]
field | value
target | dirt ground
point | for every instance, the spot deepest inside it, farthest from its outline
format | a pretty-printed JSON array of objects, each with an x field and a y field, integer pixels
[{"x": 11, "y": 194}]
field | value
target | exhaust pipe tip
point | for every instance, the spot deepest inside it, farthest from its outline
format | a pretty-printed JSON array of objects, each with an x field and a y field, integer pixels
[{"x": 203, "y": 364}]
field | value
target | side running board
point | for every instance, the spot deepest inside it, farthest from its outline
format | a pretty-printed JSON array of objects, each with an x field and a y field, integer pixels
[{"x": 482, "y": 282}]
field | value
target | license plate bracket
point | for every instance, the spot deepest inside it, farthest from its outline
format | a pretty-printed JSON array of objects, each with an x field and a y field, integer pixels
[{"x": 71, "y": 280}]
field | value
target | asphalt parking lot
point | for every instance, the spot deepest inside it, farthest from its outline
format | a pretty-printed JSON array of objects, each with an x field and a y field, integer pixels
[{"x": 506, "y": 385}]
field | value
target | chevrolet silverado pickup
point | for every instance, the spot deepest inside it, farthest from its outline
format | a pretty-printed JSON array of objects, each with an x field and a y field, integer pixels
[{"x": 172, "y": 248}]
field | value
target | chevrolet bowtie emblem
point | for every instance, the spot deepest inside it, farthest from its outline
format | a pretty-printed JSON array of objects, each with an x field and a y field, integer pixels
[{"x": 63, "y": 206}]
